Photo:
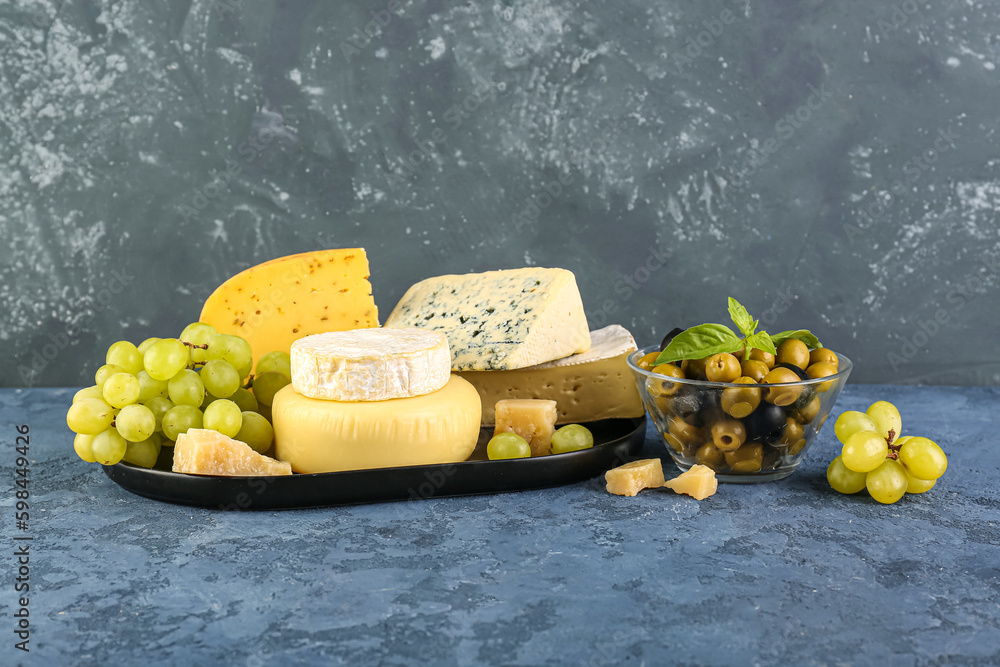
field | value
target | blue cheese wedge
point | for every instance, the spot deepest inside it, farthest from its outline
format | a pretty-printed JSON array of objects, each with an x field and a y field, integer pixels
[{"x": 499, "y": 320}]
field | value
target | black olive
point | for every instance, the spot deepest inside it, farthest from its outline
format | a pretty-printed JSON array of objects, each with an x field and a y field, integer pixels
[{"x": 669, "y": 337}]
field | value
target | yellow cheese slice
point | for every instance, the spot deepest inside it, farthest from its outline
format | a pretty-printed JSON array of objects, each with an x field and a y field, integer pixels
[
  {"x": 370, "y": 364},
  {"x": 499, "y": 320},
  {"x": 592, "y": 385},
  {"x": 277, "y": 302},
  {"x": 203, "y": 452},
  {"x": 315, "y": 435}
]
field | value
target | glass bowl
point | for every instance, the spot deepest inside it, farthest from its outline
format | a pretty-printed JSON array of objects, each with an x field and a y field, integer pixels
[{"x": 766, "y": 442}]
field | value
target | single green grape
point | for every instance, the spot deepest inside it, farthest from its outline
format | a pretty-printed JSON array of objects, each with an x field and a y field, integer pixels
[
  {"x": 230, "y": 348},
  {"x": 277, "y": 362},
  {"x": 923, "y": 458},
  {"x": 179, "y": 419},
  {"x": 916, "y": 485},
  {"x": 92, "y": 391},
  {"x": 864, "y": 451},
  {"x": 243, "y": 398},
  {"x": 888, "y": 423},
  {"x": 108, "y": 447},
  {"x": 135, "y": 422},
  {"x": 90, "y": 416},
  {"x": 186, "y": 388},
  {"x": 198, "y": 333},
  {"x": 266, "y": 385},
  {"x": 256, "y": 432},
  {"x": 125, "y": 355},
  {"x": 571, "y": 438},
  {"x": 223, "y": 416},
  {"x": 121, "y": 389},
  {"x": 166, "y": 358},
  {"x": 146, "y": 344},
  {"x": 850, "y": 422},
  {"x": 220, "y": 378},
  {"x": 81, "y": 443},
  {"x": 159, "y": 407},
  {"x": 887, "y": 483},
  {"x": 507, "y": 446},
  {"x": 150, "y": 388},
  {"x": 106, "y": 371},
  {"x": 144, "y": 452},
  {"x": 843, "y": 479}
]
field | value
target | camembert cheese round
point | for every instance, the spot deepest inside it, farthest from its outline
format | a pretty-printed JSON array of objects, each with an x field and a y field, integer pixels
[
  {"x": 370, "y": 364},
  {"x": 327, "y": 436}
]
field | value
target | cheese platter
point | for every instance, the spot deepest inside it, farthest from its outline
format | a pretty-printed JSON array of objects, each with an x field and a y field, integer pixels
[{"x": 616, "y": 441}]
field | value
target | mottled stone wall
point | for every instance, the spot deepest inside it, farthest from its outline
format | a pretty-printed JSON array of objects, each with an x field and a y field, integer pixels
[{"x": 834, "y": 165}]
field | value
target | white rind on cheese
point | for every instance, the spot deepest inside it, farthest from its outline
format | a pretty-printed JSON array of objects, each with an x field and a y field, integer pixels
[
  {"x": 370, "y": 364},
  {"x": 326, "y": 436},
  {"x": 499, "y": 320},
  {"x": 596, "y": 384},
  {"x": 611, "y": 341}
]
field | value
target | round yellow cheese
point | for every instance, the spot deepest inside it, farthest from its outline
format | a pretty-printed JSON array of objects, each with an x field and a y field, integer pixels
[{"x": 315, "y": 435}]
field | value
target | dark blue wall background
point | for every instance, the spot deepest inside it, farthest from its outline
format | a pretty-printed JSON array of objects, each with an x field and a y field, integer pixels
[{"x": 834, "y": 165}]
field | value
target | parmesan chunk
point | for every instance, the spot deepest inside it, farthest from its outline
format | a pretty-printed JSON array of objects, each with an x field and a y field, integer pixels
[
  {"x": 203, "y": 452},
  {"x": 699, "y": 482},
  {"x": 631, "y": 478},
  {"x": 532, "y": 419}
]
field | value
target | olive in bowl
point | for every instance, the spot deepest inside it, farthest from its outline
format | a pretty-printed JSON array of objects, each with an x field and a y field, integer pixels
[{"x": 747, "y": 430}]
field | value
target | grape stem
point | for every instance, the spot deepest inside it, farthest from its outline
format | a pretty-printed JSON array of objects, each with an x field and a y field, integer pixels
[
  {"x": 200, "y": 347},
  {"x": 893, "y": 448}
]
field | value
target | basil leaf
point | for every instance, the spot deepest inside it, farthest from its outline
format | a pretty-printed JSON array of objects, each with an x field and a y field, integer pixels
[
  {"x": 801, "y": 334},
  {"x": 741, "y": 318},
  {"x": 761, "y": 341},
  {"x": 698, "y": 342}
]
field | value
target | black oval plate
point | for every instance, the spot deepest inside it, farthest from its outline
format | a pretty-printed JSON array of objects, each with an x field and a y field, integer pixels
[{"x": 615, "y": 442}]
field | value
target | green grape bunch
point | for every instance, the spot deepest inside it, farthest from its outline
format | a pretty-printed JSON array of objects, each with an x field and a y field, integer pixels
[
  {"x": 876, "y": 457},
  {"x": 144, "y": 396}
]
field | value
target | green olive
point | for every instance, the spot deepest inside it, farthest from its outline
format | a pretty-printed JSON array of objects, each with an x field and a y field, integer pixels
[
  {"x": 746, "y": 459},
  {"x": 728, "y": 434},
  {"x": 657, "y": 387},
  {"x": 822, "y": 369},
  {"x": 722, "y": 367},
  {"x": 741, "y": 401},
  {"x": 709, "y": 455},
  {"x": 824, "y": 354},
  {"x": 809, "y": 412},
  {"x": 782, "y": 395},
  {"x": 754, "y": 369},
  {"x": 647, "y": 361},
  {"x": 761, "y": 355},
  {"x": 793, "y": 351}
]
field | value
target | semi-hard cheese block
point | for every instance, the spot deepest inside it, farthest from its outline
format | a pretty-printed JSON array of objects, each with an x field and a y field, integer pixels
[
  {"x": 203, "y": 452},
  {"x": 499, "y": 320},
  {"x": 277, "y": 302},
  {"x": 595, "y": 384},
  {"x": 370, "y": 364},
  {"x": 315, "y": 435},
  {"x": 633, "y": 477},
  {"x": 532, "y": 419}
]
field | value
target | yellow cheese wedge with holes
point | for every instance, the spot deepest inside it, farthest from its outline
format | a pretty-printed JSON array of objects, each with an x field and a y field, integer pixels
[
  {"x": 273, "y": 304},
  {"x": 316, "y": 435}
]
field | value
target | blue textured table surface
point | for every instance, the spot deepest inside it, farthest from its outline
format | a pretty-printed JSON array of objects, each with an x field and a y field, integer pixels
[{"x": 782, "y": 573}]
